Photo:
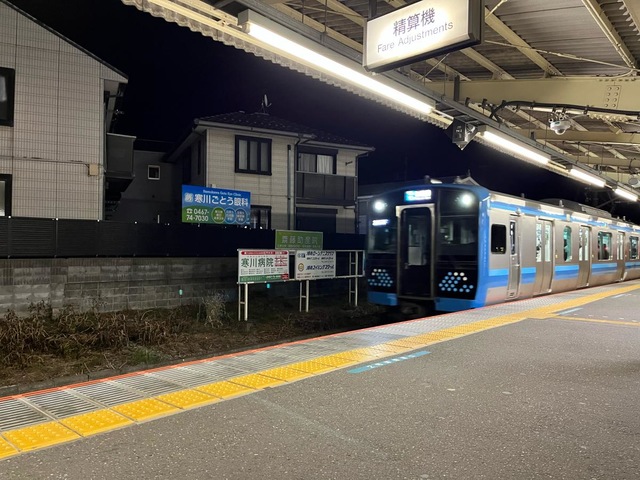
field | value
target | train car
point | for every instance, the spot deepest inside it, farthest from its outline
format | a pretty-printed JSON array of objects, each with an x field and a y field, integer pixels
[{"x": 456, "y": 246}]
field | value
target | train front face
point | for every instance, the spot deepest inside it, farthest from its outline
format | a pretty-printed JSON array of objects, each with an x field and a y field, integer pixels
[{"x": 423, "y": 247}]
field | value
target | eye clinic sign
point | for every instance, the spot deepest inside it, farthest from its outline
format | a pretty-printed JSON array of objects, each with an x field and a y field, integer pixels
[{"x": 422, "y": 30}]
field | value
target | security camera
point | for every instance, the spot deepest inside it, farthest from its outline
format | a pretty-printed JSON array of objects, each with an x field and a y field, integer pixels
[{"x": 560, "y": 126}]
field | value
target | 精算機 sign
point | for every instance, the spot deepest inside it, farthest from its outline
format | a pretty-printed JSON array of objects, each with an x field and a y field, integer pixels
[
  {"x": 421, "y": 30},
  {"x": 215, "y": 205}
]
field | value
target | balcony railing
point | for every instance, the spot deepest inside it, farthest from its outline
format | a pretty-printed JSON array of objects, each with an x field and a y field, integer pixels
[{"x": 321, "y": 189}]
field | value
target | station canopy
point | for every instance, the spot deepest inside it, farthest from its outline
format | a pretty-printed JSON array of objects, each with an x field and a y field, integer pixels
[{"x": 556, "y": 78}]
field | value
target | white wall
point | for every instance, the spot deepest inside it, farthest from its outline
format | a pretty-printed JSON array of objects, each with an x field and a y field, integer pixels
[{"x": 58, "y": 122}]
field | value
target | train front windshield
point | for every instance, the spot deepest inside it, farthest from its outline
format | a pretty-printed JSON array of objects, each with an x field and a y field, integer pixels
[{"x": 383, "y": 236}]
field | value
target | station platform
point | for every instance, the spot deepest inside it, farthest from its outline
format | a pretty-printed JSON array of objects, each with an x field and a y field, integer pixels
[{"x": 540, "y": 388}]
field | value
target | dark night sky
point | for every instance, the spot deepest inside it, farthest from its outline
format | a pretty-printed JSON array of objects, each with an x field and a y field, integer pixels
[{"x": 176, "y": 75}]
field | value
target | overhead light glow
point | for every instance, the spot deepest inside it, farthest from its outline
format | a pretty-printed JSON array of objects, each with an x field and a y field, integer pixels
[
  {"x": 626, "y": 194},
  {"x": 586, "y": 178},
  {"x": 512, "y": 146},
  {"x": 379, "y": 206},
  {"x": 334, "y": 68}
]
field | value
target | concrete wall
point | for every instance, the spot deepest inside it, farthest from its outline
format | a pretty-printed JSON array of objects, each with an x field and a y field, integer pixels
[{"x": 113, "y": 283}]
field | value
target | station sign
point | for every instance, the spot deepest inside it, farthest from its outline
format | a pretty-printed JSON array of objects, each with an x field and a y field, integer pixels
[
  {"x": 298, "y": 239},
  {"x": 260, "y": 266},
  {"x": 315, "y": 264},
  {"x": 422, "y": 30},
  {"x": 215, "y": 206}
]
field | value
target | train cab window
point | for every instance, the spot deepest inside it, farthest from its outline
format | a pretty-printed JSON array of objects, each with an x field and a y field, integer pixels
[
  {"x": 633, "y": 248},
  {"x": 604, "y": 246},
  {"x": 382, "y": 235},
  {"x": 566, "y": 236},
  {"x": 498, "y": 239}
]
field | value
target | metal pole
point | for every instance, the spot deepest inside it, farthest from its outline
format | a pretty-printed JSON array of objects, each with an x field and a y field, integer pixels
[
  {"x": 246, "y": 302},
  {"x": 239, "y": 301},
  {"x": 356, "y": 280},
  {"x": 306, "y": 309}
]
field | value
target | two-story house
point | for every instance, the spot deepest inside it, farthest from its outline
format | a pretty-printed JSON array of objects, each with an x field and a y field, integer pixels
[
  {"x": 56, "y": 106},
  {"x": 299, "y": 178}
]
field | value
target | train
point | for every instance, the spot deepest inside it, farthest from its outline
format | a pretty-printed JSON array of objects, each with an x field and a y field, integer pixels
[{"x": 455, "y": 246}]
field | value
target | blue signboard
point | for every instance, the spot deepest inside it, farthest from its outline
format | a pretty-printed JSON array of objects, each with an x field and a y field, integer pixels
[{"x": 215, "y": 205}]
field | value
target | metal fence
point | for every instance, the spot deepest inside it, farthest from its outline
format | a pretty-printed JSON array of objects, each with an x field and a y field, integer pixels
[{"x": 48, "y": 238}]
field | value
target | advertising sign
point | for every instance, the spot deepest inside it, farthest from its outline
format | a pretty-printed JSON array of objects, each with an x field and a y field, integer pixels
[
  {"x": 295, "y": 239},
  {"x": 421, "y": 30},
  {"x": 215, "y": 205},
  {"x": 255, "y": 266},
  {"x": 315, "y": 264}
]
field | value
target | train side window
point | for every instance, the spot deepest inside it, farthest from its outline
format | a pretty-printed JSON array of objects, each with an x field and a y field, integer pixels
[
  {"x": 538, "y": 242},
  {"x": 498, "y": 239},
  {"x": 512, "y": 237},
  {"x": 633, "y": 250},
  {"x": 620, "y": 246},
  {"x": 604, "y": 246},
  {"x": 566, "y": 235}
]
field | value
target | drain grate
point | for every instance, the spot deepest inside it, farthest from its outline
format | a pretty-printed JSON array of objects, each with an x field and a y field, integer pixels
[{"x": 17, "y": 413}]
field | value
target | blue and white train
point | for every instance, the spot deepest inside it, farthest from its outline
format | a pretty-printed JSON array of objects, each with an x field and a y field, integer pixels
[{"x": 451, "y": 247}]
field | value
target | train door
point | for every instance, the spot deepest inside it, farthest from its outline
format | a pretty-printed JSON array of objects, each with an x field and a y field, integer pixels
[
  {"x": 544, "y": 257},
  {"x": 584, "y": 256},
  {"x": 415, "y": 270},
  {"x": 620, "y": 255},
  {"x": 514, "y": 259}
]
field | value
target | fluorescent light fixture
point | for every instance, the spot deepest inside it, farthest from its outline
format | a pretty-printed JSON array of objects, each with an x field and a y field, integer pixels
[
  {"x": 626, "y": 194},
  {"x": 513, "y": 146},
  {"x": 586, "y": 177},
  {"x": 265, "y": 31}
]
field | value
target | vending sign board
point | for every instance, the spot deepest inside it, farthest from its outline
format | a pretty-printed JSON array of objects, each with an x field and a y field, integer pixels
[
  {"x": 315, "y": 264},
  {"x": 256, "y": 266},
  {"x": 215, "y": 205}
]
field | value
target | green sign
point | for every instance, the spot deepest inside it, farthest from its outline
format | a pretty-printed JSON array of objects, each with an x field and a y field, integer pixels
[{"x": 298, "y": 240}]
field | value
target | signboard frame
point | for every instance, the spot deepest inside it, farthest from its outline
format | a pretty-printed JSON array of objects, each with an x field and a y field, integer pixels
[{"x": 377, "y": 56}]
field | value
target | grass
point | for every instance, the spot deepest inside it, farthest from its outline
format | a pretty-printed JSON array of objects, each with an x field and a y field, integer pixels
[{"x": 46, "y": 345}]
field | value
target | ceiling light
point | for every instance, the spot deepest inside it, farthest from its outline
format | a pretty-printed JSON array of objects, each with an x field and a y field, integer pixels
[
  {"x": 507, "y": 143},
  {"x": 586, "y": 177},
  {"x": 318, "y": 57},
  {"x": 626, "y": 194}
]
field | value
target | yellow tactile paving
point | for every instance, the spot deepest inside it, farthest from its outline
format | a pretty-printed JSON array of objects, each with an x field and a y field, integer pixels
[
  {"x": 257, "y": 381},
  {"x": 287, "y": 373},
  {"x": 6, "y": 450},
  {"x": 225, "y": 389},
  {"x": 311, "y": 367},
  {"x": 599, "y": 320},
  {"x": 145, "y": 409},
  {"x": 188, "y": 398},
  {"x": 406, "y": 342},
  {"x": 385, "y": 347},
  {"x": 334, "y": 361},
  {"x": 95, "y": 422},
  {"x": 357, "y": 355},
  {"x": 435, "y": 336},
  {"x": 39, "y": 436}
]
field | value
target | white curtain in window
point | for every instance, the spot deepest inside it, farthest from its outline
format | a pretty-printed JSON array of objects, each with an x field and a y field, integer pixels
[
  {"x": 4, "y": 95},
  {"x": 325, "y": 164},
  {"x": 264, "y": 157},
  {"x": 253, "y": 156},
  {"x": 242, "y": 155},
  {"x": 307, "y": 162}
]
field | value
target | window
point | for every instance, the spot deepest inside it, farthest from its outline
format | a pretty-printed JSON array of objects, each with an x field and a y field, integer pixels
[
  {"x": 633, "y": 248},
  {"x": 253, "y": 155},
  {"x": 458, "y": 235},
  {"x": 5, "y": 195},
  {"x": 260, "y": 217},
  {"x": 498, "y": 239},
  {"x": 153, "y": 172},
  {"x": 566, "y": 236},
  {"x": 604, "y": 246},
  {"x": 7, "y": 89},
  {"x": 317, "y": 160}
]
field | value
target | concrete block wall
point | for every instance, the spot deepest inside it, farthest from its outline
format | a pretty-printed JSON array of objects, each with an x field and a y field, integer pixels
[{"x": 113, "y": 284}]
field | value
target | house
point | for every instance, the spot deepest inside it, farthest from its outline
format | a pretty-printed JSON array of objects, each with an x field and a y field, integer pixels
[
  {"x": 57, "y": 102},
  {"x": 299, "y": 178}
]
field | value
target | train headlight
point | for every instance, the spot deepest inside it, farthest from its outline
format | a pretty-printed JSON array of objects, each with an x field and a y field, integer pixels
[
  {"x": 379, "y": 206},
  {"x": 466, "y": 200}
]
